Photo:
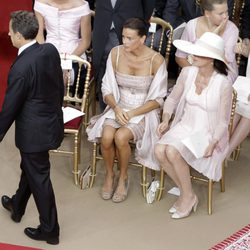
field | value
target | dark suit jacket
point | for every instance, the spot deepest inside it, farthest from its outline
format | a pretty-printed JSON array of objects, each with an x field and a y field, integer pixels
[
  {"x": 34, "y": 99},
  {"x": 189, "y": 10},
  {"x": 105, "y": 14},
  {"x": 246, "y": 20}
]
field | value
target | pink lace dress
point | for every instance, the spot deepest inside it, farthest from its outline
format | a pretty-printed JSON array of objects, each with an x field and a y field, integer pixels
[
  {"x": 133, "y": 93},
  {"x": 62, "y": 26},
  {"x": 208, "y": 112}
]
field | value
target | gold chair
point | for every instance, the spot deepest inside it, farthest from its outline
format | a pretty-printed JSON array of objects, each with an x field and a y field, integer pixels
[
  {"x": 73, "y": 128},
  {"x": 201, "y": 178},
  {"x": 91, "y": 98},
  {"x": 167, "y": 32},
  {"x": 237, "y": 12},
  {"x": 236, "y": 153}
]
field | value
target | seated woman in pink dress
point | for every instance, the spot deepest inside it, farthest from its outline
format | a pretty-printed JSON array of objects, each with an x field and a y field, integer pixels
[
  {"x": 214, "y": 19},
  {"x": 67, "y": 25},
  {"x": 241, "y": 123},
  {"x": 133, "y": 88},
  {"x": 201, "y": 100}
]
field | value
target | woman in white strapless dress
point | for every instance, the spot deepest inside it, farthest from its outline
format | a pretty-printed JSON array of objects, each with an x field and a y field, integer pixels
[{"x": 133, "y": 88}]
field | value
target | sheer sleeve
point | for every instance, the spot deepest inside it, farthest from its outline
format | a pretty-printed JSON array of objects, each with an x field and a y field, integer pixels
[
  {"x": 187, "y": 35},
  {"x": 174, "y": 97},
  {"x": 224, "y": 111},
  {"x": 230, "y": 38}
]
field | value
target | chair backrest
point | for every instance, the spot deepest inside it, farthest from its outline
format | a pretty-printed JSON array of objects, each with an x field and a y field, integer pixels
[
  {"x": 160, "y": 36},
  {"x": 237, "y": 12},
  {"x": 238, "y": 56},
  {"x": 233, "y": 107},
  {"x": 76, "y": 80}
]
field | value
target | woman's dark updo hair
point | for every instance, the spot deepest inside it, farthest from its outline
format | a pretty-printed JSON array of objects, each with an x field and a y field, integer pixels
[
  {"x": 138, "y": 24},
  {"x": 220, "y": 67}
]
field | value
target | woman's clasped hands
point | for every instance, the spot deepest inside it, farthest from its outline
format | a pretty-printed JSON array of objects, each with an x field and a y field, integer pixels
[{"x": 122, "y": 116}]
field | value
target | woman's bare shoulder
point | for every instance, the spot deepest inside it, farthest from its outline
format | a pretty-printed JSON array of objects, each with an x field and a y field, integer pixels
[{"x": 158, "y": 60}]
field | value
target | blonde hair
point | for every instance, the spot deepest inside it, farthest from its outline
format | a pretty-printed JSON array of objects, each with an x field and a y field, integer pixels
[{"x": 209, "y": 4}]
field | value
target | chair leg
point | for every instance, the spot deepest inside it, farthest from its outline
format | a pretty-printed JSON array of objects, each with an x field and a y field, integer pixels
[
  {"x": 236, "y": 153},
  {"x": 75, "y": 170},
  {"x": 144, "y": 183},
  {"x": 161, "y": 188},
  {"x": 210, "y": 194},
  {"x": 93, "y": 166},
  {"x": 222, "y": 180},
  {"x": 94, "y": 100}
]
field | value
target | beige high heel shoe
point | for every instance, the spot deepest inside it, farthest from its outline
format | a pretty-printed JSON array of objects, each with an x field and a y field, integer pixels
[
  {"x": 179, "y": 215},
  {"x": 118, "y": 197},
  {"x": 107, "y": 195}
]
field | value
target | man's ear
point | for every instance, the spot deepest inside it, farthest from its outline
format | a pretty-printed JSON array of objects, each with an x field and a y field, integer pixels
[{"x": 19, "y": 36}]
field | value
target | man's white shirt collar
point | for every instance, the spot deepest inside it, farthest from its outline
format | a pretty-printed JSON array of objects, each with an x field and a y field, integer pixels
[{"x": 25, "y": 46}]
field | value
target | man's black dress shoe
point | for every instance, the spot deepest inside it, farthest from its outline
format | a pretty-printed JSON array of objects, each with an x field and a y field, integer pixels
[
  {"x": 36, "y": 234},
  {"x": 7, "y": 204}
]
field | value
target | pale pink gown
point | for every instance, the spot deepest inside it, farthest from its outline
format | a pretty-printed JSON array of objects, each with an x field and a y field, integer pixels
[
  {"x": 63, "y": 26},
  {"x": 230, "y": 37},
  {"x": 208, "y": 112}
]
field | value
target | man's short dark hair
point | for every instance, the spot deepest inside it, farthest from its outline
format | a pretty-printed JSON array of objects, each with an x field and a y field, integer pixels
[{"x": 25, "y": 23}]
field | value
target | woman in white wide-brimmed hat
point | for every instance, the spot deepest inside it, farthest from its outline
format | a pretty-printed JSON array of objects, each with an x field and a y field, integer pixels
[{"x": 201, "y": 100}]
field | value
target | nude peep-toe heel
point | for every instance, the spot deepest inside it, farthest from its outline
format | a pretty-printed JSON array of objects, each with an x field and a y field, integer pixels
[
  {"x": 118, "y": 197},
  {"x": 107, "y": 195}
]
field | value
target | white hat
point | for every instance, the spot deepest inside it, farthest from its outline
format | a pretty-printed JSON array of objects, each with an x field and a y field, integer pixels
[{"x": 208, "y": 45}]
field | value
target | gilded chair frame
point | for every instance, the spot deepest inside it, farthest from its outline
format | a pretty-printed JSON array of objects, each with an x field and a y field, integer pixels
[
  {"x": 165, "y": 26},
  {"x": 80, "y": 104},
  {"x": 204, "y": 179},
  {"x": 237, "y": 12},
  {"x": 236, "y": 153}
]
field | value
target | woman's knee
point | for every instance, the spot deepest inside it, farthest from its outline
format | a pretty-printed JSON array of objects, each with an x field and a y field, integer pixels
[
  {"x": 107, "y": 140},
  {"x": 121, "y": 139},
  {"x": 172, "y": 154},
  {"x": 160, "y": 152}
]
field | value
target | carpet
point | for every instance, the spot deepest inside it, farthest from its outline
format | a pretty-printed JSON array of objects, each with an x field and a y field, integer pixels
[
  {"x": 238, "y": 241},
  {"x": 4, "y": 246}
]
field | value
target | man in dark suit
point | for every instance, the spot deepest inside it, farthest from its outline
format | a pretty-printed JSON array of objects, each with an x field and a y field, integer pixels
[
  {"x": 178, "y": 11},
  {"x": 107, "y": 33},
  {"x": 33, "y": 100}
]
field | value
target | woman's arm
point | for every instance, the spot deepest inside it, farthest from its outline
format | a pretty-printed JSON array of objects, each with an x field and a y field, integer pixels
[
  {"x": 173, "y": 99},
  {"x": 85, "y": 36},
  {"x": 40, "y": 34},
  {"x": 145, "y": 108},
  {"x": 224, "y": 112}
]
